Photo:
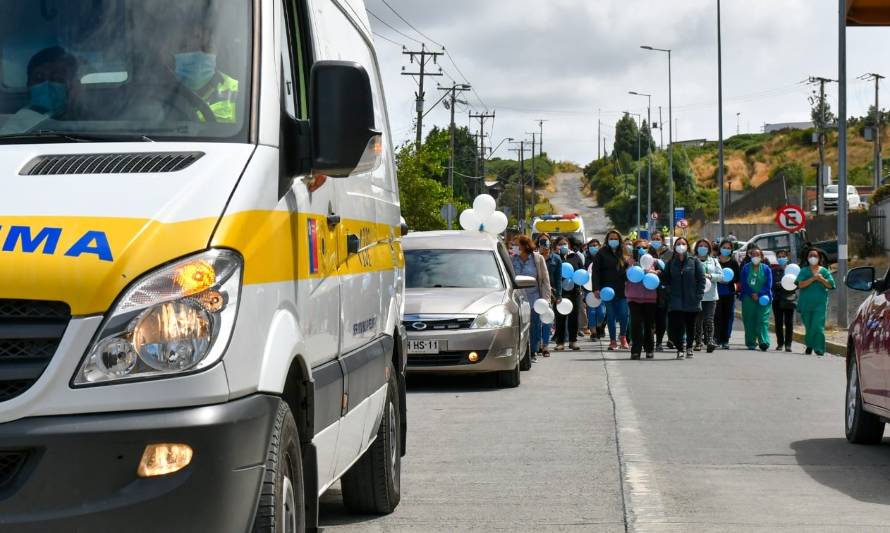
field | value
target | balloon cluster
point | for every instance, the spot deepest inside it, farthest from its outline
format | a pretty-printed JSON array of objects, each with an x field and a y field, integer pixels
[
  {"x": 484, "y": 216},
  {"x": 638, "y": 274},
  {"x": 572, "y": 277},
  {"x": 542, "y": 307},
  {"x": 789, "y": 280}
]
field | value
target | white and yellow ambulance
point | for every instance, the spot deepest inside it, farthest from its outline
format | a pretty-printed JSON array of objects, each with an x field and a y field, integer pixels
[{"x": 201, "y": 277}]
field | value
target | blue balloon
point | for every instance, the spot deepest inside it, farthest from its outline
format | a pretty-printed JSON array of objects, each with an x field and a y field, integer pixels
[
  {"x": 728, "y": 274},
  {"x": 607, "y": 294},
  {"x": 635, "y": 274},
  {"x": 651, "y": 281},
  {"x": 764, "y": 300},
  {"x": 660, "y": 264},
  {"x": 580, "y": 277},
  {"x": 567, "y": 271}
]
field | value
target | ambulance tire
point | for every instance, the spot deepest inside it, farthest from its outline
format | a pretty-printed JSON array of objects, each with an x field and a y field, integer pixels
[
  {"x": 373, "y": 484},
  {"x": 281, "y": 507}
]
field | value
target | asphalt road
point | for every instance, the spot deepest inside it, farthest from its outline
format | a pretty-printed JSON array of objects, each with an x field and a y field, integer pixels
[{"x": 569, "y": 198}]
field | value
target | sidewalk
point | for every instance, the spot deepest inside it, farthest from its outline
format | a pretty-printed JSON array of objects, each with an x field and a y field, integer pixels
[{"x": 835, "y": 337}]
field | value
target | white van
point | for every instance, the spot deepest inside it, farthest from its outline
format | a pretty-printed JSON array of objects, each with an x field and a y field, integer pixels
[{"x": 201, "y": 274}]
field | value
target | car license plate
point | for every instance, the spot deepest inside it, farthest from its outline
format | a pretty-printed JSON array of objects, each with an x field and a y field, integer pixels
[{"x": 428, "y": 347}]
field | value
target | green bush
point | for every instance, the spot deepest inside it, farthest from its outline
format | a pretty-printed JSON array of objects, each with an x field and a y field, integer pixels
[{"x": 881, "y": 194}]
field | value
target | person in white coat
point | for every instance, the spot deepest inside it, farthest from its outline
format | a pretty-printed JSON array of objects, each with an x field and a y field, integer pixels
[{"x": 704, "y": 322}]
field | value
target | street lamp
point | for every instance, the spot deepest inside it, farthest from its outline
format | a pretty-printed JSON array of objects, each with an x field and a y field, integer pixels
[
  {"x": 649, "y": 141},
  {"x": 639, "y": 169},
  {"x": 670, "y": 133},
  {"x": 491, "y": 153}
]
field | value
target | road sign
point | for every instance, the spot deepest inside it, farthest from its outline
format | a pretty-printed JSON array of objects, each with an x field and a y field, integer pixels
[
  {"x": 791, "y": 218},
  {"x": 683, "y": 223},
  {"x": 654, "y": 216},
  {"x": 679, "y": 213},
  {"x": 448, "y": 212}
]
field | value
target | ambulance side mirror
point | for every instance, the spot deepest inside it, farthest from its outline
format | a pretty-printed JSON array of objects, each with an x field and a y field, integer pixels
[{"x": 341, "y": 106}]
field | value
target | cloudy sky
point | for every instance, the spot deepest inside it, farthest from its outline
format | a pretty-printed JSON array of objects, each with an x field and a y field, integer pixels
[{"x": 571, "y": 62}]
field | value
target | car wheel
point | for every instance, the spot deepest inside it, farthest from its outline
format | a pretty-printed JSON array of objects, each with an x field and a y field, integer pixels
[
  {"x": 281, "y": 508},
  {"x": 525, "y": 363},
  {"x": 509, "y": 379},
  {"x": 862, "y": 427},
  {"x": 373, "y": 484}
]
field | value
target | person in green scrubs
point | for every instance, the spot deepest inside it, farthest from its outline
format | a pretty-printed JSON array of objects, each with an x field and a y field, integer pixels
[
  {"x": 757, "y": 282},
  {"x": 814, "y": 281}
]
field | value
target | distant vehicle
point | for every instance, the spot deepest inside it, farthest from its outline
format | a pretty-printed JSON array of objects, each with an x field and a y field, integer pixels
[
  {"x": 831, "y": 195},
  {"x": 464, "y": 310},
  {"x": 568, "y": 225},
  {"x": 867, "y": 404},
  {"x": 774, "y": 241}
]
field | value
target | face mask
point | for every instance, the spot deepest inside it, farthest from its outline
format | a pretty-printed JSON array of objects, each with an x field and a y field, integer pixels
[
  {"x": 782, "y": 261},
  {"x": 515, "y": 250},
  {"x": 813, "y": 260},
  {"x": 656, "y": 245},
  {"x": 702, "y": 251},
  {"x": 613, "y": 244},
  {"x": 593, "y": 250},
  {"x": 629, "y": 248},
  {"x": 725, "y": 253},
  {"x": 641, "y": 251},
  {"x": 756, "y": 260},
  {"x": 681, "y": 249},
  {"x": 544, "y": 244},
  {"x": 195, "y": 69},
  {"x": 50, "y": 96},
  {"x": 564, "y": 249}
]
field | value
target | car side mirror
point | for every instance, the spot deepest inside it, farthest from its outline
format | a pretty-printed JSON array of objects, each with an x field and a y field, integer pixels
[
  {"x": 526, "y": 282},
  {"x": 341, "y": 103},
  {"x": 861, "y": 279}
]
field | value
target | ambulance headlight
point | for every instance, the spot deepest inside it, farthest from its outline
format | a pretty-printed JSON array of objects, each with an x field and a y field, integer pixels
[{"x": 175, "y": 320}]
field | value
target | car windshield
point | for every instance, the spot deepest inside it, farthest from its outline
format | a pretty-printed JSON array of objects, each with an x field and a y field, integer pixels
[
  {"x": 831, "y": 189},
  {"x": 117, "y": 69},
  {"x": 453, "y": 269}
]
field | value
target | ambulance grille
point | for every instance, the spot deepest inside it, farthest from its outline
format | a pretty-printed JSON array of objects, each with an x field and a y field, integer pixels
[
  {"x": 30, "y": 333},
  {"x": 142, "y": 163}
]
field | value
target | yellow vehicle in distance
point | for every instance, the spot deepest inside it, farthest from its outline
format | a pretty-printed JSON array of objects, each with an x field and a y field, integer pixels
[{"x": 569, "y": 225}]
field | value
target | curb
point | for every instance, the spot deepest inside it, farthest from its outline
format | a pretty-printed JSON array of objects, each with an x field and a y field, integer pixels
[{"x": 832, "y": 348}]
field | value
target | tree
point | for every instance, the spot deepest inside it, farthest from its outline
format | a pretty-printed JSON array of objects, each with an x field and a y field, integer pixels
[
  {"x": 422, "y": 197},
  {"x": 626, "y": 137},
  {"x": 820, "y": 112},
  {"x": 647, "y": 141},
  {"x": 466, "y": 153}
]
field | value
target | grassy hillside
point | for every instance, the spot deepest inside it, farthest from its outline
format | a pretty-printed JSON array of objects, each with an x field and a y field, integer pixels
[{"x": 751, "y": 158}]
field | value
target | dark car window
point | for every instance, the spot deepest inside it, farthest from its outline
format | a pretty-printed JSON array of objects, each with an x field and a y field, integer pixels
[{"x": 458, "y": 269}]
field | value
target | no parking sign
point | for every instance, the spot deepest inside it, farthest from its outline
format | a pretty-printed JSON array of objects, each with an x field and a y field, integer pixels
[{"x": 791, "y": 218}]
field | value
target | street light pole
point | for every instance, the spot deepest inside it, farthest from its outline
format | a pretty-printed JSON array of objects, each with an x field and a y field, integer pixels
[
  {"x": 649, "y": 155},
  {"x": 842, "y": 316},
  {"x": 670, "y": 133},
  {"x": 720, "y": 158}
]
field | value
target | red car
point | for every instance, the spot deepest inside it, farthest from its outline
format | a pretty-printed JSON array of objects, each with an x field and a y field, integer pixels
[{"x": 868, "y": 364}]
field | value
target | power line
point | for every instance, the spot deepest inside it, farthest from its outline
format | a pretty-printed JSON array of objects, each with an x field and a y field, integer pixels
[
  {"x": 390, "y": 26},
  {"x": 387, "y": 39},
  {"x": 403, "y": 19}
]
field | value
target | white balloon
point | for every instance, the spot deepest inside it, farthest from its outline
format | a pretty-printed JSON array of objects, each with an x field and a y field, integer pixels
[
  {"x": 646, "y": 261},
  {"x": 541, "y": 306},
  {"x": 484, "y": 205},
  {"x": 708, "y": 285},
  {"x": 565, "y": 307},
  {"x": 589, "y": 285},
  {"x": 496, "y": 223},
  {"x": 592, "y": 301},
  {"x": 789, "y": 282},
  {"x": 549, "y": 317},
  {"x": 469, "y": 220},
  {"x": 792, "y": 270}
]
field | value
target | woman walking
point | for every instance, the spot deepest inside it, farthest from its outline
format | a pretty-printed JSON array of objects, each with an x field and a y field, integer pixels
[
  {"x": 567, "y": 325},
  {"x": 685, "y": 277},
  {"x": 554, "y": 269},
  {"x": 607, "y": 270},
  {"x": 814, "y": 281},
  {"x": 643, "y": 305},
  {"x": 726, "y": 290},
  {"x": 704, "y": 322},
  {"x": 527, "y": 262},
  {"x": 596, "y": 316},
  {"x": 757, "y": 282},
  {"x": 784, "y": 303},
  {"x": 659, "y": 251}
]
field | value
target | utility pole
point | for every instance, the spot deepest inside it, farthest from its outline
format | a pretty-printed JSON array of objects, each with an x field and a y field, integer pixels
[
  {"x": 453, "y": 90},
  {"x": 821, "y": 174},
  {"x": 482, "y": 117},
  {"x": 660, "y": 129},
  {"x": 520, "y": 218},
  {"x": 534, "y": 181},
  {"x": 842, "y": 266},
  {"x": 423, "y": 57},
  {"x": 879, "y": 163},
  {"x": 541, "y": 122},
  {"x": 738, "y": 128},
  {"x": 599, "y": 135},
  {"x": 649, "y": 141}
]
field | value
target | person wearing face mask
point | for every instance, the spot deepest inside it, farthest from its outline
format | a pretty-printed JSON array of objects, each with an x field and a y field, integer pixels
[
  {"x": 685, "y": 277},
  {"x": 195, "y": 66},
  {"x": 643, "y": 305},
  {"x": 726, "y": 290},
  {"x": 527, "y": 262},
  {"x": 784, "y": 303},
  {"x": 596, "y": 316},
  {"x": 814, "y": 281},
  {"x": 608, "y": 270},
  {"x": 658, "y": 250},
  {"x": 567, "y": 325},
  {"x": 52, "y": 87},
  {"x": 554, "y": 270},
  {"x": 704, "y": 322},
  {"x": 756, "y": 281}
]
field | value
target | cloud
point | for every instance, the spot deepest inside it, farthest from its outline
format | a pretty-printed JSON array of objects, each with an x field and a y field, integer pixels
[{"x": 563, "y": 60}]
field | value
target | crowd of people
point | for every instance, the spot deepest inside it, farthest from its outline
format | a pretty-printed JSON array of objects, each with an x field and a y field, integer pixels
[{"x": 691, "y": 296}]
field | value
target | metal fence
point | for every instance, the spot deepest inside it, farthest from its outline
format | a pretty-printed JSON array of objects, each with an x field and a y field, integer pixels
[{"x": 878, "y": 224}]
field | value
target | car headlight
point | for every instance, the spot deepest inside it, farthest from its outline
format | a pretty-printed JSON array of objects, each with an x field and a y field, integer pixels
[
  {"x": 177, "y": 319},
  {"x": 496, "y": 317}
]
